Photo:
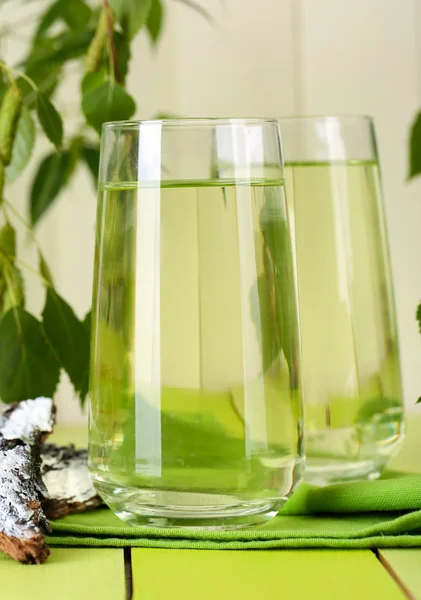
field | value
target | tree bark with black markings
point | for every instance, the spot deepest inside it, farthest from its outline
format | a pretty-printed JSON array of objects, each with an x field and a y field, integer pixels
[
  {"x": 65, "y": 473},
  {"x": 23, "y": 524}
]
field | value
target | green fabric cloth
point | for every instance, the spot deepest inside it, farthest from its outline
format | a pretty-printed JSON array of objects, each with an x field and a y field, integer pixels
[{"x": 383, "y": 513}]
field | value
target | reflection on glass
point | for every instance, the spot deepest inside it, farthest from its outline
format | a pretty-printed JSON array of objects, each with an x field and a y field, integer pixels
[
  {"x": 195, "y": 415},
  {"x": 350, "y": 361}
]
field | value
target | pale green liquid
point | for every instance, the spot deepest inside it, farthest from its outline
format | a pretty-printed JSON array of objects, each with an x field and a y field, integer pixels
[
  {"x": 195, "y": 411},
  {"x": 350, "y": 362}
]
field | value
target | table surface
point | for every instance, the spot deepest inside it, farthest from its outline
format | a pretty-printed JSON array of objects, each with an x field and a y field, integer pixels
[{"x": 158, "y": 574}]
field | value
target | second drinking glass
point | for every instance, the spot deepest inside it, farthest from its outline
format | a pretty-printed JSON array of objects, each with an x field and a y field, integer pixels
[
  {"x": 195, "y": 413},
  {"x": 350, "y": 360}
]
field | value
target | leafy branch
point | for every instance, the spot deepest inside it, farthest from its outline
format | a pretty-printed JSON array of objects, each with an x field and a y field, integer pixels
[{"x": 93, "y": 37}]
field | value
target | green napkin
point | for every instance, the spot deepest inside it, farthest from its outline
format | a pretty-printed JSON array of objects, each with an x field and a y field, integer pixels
[{"x": 383, "y": 513}]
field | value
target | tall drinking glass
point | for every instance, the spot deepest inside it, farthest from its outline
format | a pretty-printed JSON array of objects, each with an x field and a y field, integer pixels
[
  {"x": 195, "y": 412},
  {"x": 350, "y": 360}
]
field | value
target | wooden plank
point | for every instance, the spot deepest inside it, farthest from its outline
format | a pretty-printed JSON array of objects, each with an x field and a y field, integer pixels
[
  {"x": 293, "y": 574},
  {"x": 405, "y": 564},
  {"x": 68, "y": 574}
]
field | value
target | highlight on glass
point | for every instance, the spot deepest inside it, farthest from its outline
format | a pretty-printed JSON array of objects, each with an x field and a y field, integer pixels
[
  {"x": 350, "y": 360},
  {"x": 195, "y": 411}
]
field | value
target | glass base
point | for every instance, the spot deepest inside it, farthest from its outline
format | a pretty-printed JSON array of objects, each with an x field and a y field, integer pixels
[
  {"x": 167, "y": 508},
  {"x": 324, "y": 471}
]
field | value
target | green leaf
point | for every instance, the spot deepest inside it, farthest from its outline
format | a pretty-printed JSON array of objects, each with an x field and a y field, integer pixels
[
  {"x": 22, "y": 146},
  {"x": 50, "y": 16},
  {"x": 131, "y": 14},
  {"x": 3, "y": 289},
  {"x": 75, "y": 149},
  {"x": 55, "y": 51},
  {"x": 418, "y": 401},
  {"x": 87, "y": 321},
  {"x": 72, "y": 45},
  {"x": 50, "y": 120},
  {"x": 15, "y": 289},
  {"x": 4, "y": 86},
  {"x": 155, "y": 20},
  {"x": 75, "y": 14},
  {"x": 415, "y": 148},
  {"x": 12, "y": 292},
  {"x": 40, "y": 46},
  {"x": 70, "y": 340},
  {"x": 108, "y": 102},
  {"x": 45, "y": 270},
  {"x": 418, "y": 316},
  {"x": 46, "y": 77},
  {"x": 50, "y": 178},
  {"x": 28, "y": 365},
  {"x": 91, "y": 157},
  {"x": 7, "y": 244},
  {"x": 94, "y": 80},
  {"x": 122, "y": 46}
]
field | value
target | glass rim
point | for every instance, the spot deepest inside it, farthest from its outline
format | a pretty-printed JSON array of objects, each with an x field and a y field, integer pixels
[
  {"x": 328, "y": 118},
  {"x": 199, "y": 122}
]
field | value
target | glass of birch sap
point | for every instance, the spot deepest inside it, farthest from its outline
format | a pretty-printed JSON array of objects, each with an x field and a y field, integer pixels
[
  {"x": 195, "y": 411},
  {"x": 350, "y": 361}
]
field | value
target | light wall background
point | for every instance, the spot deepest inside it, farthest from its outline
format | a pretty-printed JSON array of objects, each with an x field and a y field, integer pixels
[{"x": 269, "y": 57}]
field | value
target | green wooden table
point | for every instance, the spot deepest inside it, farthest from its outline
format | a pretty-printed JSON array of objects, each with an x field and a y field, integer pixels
[{"x": 156, "y": 574}]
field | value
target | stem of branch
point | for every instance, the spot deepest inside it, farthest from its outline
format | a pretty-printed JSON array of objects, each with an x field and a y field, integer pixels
[
  {"x": 9, "y": 283},
  {"x": 30, "y": 81},
  {"x": 111, "y": 44},
  {"x": 7, "y": 71},
  {"x": 25, "y": 223},
  {"x": 25, "y": 265}
]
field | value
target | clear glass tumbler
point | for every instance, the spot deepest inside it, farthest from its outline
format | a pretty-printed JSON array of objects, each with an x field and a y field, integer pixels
[
  {"x": 350, "y": 361},
  {"x": 195, "y": 411}
]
